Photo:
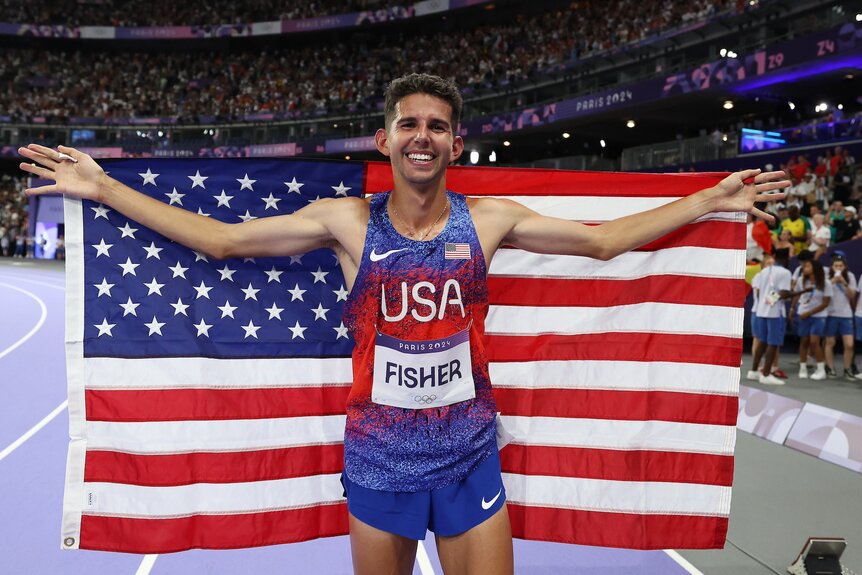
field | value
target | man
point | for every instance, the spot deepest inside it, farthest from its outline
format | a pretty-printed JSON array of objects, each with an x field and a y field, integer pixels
[
  {"x": 408, "y": 468},
  {"x": 798, "y": 226},
  {"x": 772, "y": 287}
]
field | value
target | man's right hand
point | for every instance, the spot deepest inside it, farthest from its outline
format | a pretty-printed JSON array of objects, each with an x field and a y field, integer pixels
[{"x": 82, "y": 179}]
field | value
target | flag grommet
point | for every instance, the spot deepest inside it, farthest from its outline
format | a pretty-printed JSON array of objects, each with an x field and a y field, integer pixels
[{"x": 69, "y": 541}]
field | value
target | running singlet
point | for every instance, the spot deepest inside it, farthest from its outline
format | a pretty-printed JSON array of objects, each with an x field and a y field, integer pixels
[{"x": 418, "y": 294}]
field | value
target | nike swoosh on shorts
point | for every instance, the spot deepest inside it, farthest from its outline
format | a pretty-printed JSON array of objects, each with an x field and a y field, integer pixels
[{"x": 488, "y": 504}]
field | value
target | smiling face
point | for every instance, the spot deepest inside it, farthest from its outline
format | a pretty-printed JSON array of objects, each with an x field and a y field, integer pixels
[{"x": 420, "y": 142}]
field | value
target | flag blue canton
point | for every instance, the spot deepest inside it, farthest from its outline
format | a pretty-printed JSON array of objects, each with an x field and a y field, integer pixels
[{"x": 146, "y": 296}]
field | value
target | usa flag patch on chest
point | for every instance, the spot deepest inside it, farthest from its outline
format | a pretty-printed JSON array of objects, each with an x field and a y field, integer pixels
[{"x": 457, "y": 251}]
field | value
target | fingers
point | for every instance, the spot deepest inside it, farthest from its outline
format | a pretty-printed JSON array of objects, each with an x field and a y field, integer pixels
[
  {"x": 747, "y": 176},
  {"x": 769, "y": 176},
  {"x": 769, "y": 186},
  {"x": 75, "y": 154},
  {"x": 37, "y": 171},
  {"x": 762, "y": 215},
  {"x": 50, "y": 189},
  {"x": 39, "y": 154}
]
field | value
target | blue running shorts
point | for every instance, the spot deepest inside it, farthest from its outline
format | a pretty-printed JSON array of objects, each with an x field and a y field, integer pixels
[
  {"x": 772, "y": 330},
  {"x": 839, "y": 326},
  {"x": 446, "y": 511},
  {"x": 811, "y": 326}
]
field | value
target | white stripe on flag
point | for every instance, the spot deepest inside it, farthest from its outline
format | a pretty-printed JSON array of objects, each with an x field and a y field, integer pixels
[
  {"x": 621, "y": 435},
  {"x": 702, "y": 262},
  {"x": 191, "y": 372},
  {"x": 642, "y": 318},
  {"x": 118, "y": 499},
  {"x": 618, "y": 496},
  {"x": 604, "y": 208},
  {"x": 617, "y": 375},
  {"x": 162, "y": 437}
]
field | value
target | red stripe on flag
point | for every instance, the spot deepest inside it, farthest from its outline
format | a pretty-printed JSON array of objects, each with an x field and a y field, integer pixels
[
  {"x": 213, "y": 404},
  {"x": 618, "y": 465},
  {"x": 708, "y": 234},
  {"x": 621, "y": 405},
  {"x": 630, "y": 530},
  {"x": 506, "y": 290},
  {"x": 208, "y": 467},
  {"x": 680, "y": 348},
  {"x": 135, "y": 535},
  {"x": 484, "y": 181}
]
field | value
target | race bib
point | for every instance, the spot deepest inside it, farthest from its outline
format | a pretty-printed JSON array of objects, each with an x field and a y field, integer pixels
[{"x": 418, "y": 374}]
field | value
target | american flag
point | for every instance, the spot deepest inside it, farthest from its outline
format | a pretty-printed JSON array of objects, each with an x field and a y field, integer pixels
[
  {"x": 207, "y": 397},
  {"x": 456, "y": 251}
]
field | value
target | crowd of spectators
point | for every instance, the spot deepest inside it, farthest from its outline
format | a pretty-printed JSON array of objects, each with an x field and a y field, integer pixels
[
  {"x": 170, "y": 13},
  {"x": 336, "y": 77},
  {"x": 821, "y": 208},
  {"x": 14, "y": 223}
]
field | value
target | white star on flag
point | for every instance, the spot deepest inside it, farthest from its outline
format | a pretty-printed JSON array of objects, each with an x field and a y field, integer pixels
[
  {"x": 274, "y": 311},
  {"x": 227, "y": 310},
  {"x": 250, "y": 292},
  {"x": 226, "y": 273},
  {"x": 293, "y": 186},
  {"x": 251, "y": 329},
  {"x": 129, "y": 267},
  {"x": 296, "y": 293},
  {"x": 154, "y": 287},
  {"x": 101, "y": 211},
  {"x": 201, "y": 212},
  {"x": 340, "y": 189},
  {"x": 129, "y": 307},
  {"x": 149, "y": 177},
  {"x": 223, "y": 199},
  {"x": 180, "y": 307},
  {"x": 203, "y": 328},
  {"x": 153, "y": 251},
  {"x": 320, "y": 312},
  {"x": 340, "y": 294},
  {"x": 179, "y": 271},
  {"x": 296, "y": 259},
  {"x": 341, "y": 331},
  {"x": 200, "y": 256},
  {"x": 198, "y": 180},
  {"x": 314, "y": 200},
  {"x": 319, "y": 275},
  {"x": 104, "y": 288},
  {"x": 176, "y": 197},
  {"x": 127, "y": 231},
  {"x": 297, "y": 331},
  {"x": 105, "y": 328},
  {"x": 102, "y": 248},
  {"x": 203, "y": 290},
  {"x": 273, "y": 275},
  {"x": 245, "y": 182},
  {"x": 155, "y": 326},
  {"x": 271, "y": 202},
  {"x": 247, "y": 217}
]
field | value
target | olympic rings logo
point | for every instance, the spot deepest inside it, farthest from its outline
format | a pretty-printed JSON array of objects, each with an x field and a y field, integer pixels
[{"x": 426, "y": 399}]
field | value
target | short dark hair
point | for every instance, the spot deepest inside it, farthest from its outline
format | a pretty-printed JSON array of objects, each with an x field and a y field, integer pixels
[{"x": 436, "y": 86}]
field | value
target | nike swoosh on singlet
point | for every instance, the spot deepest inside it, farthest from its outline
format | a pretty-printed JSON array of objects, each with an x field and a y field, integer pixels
[
  {"x": 375, "y": 257},
  {"x": 487, "y": 504}
]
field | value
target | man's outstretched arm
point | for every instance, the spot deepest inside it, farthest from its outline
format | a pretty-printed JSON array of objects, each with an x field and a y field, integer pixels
[
  {"x": 305, "y": 230},
  {"x": 738, "y": 192}
]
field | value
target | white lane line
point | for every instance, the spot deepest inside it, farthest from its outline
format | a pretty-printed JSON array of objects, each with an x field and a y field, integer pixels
[
  {"x": 682, "y": 562},
  {"x": 33, "y": 430},
  {"x": 32, "y": 281},
  {"x": 38, "y": 325},
  {"x": 423, "y": 560},
  {"x": 146, "y": 565}
]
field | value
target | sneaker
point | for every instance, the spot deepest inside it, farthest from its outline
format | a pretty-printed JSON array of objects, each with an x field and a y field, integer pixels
[
  {"x": 819, "y": 374},
  {"x": 854, "y": 370},
  {"x": 770, "y": 380},
  {"x": 753, "y": 375},
  {"x": 848, "y": 375},
  {"x": 830, "y": 373},
  {"x": 779, "y": 373},
  {"x": 803, "y": 371}
]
